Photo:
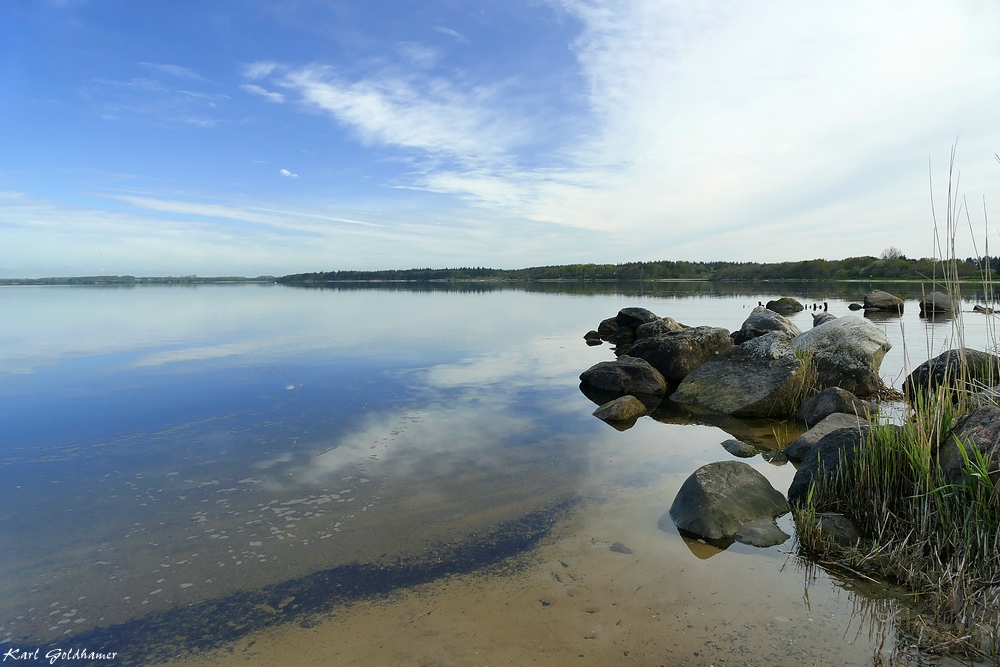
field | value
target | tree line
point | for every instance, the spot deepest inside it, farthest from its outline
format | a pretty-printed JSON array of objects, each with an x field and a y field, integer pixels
[{"x": 889, "y": 266}]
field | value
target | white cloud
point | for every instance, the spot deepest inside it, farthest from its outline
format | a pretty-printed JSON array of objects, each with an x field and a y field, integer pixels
[
  {"x": 267, "y": 94},
  {"x": 287, "y": 174},
  {"x": 259, "y": 69}
]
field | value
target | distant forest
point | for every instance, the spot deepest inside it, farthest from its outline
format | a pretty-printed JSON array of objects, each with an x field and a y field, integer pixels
[{"x": 891, "y": 266}]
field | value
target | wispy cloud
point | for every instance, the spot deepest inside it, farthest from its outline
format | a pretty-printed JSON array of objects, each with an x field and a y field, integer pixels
[
  {"x": 254, "y": 89},
  {"x": 454, "y": 34},
  {"x": 176, "y": 71},
  {"x": 287, "y": 174}
]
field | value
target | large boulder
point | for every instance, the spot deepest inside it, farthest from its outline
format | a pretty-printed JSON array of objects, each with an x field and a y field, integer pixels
[
  {"x": 879, "y": 300},
  {"x": 936, "y": 303},
  {"x": 832, "y": 399},
  {"x": 763, "y": 377},
  {"x": 798, "y": 449},
  {"x": 963, "y": 369},
  {"x": 786, "y": 305},
  {"x": 763, "y": 321},
  {"x": 634, "y": 317},
  {"x": 846, "y": 352},
  {"x": 657, "y": 327},
  {"x": 608, "y": 328},
  {"x": 830, "y": 458},
  {"x": 718, "y": 499},
  {"x": 627, "y": 375},
  {"x": 979, "y": 430},
  {"x": 677, "y": 353}
]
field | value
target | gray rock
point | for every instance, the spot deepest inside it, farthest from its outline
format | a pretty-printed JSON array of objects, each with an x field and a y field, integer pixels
[
  {"x": 719, "y": 498},
  {"x": 985, "y": 310},
  {"x": 786, "y": 305},
  {"x": 846, "y": 352},
  {"x": 677, "y": 353},
  {"x": 658, "y": 326},
  {"x": 838, "y": 528},
  {"x": 883, "y": 301},
  {"x": 762, "y": 532},
  {"x": 980, "y": 430},
  {"x": 739, "y": 448},
  {"x": 963, "y": 369},
  {"x": 936, "y": 303},
  {"x": 628, "y": 375},
  {"x": 608, "y": 328},
  {"x": 634, "y": 317},
  {"x": 832, "y": 399},
  {"x": 855, "y": 306},
  {"x": 761, "y": 378},
  {"x": 798, "y": 449},
  {"x": 621, "y": 409},
  {"x": 763, "y": 321},
  {"x": 824, "y": 461},
  {"x": 821, "y": 318},
  {"x": 592, "y": 335}
]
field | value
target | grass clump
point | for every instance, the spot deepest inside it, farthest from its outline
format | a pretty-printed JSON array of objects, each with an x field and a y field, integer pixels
[{"x": 937, "y": 537}]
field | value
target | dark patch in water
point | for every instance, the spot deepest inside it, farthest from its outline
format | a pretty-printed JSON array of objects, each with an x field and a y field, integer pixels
[{"x": 210, "y": 624}]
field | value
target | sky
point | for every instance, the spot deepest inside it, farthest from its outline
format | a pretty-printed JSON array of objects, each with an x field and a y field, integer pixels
[{"x": 268, "y": 137}]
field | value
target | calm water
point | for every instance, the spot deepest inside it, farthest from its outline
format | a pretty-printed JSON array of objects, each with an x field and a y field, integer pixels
[{"x": 170, "y": 451}]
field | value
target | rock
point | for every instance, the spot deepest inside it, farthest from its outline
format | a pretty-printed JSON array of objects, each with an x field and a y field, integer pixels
[
  {"x": 657, "y": 326},
  {"x": 855, "y": 306},
  {"x": 677, "y": 353},
  {"x": 883, "y": 301},
  {"x": 936, "y": 303},
  {"x": 824, "y": 460},
  {"x": 628, "y": 375},
  {"x": 608, "y": 328},
  {"x": 846, "y": 352},
  {"x": 820, "y": 318},
  {"x": 838, "y": 528},
  {"x": 832, "y": 399},
  {"x": 786, "y": 305},
  {"x": 761, "y": 378},
  {"x": 979, "y": 429},
  {"x": 762, "y": 532},
  {"x": 591, "y": 335},
  {"x": 985, "y": 310},
  {"x": 740, "y": 449},
  {"x": 633, "y": 317},
  {"x": 762, "y": 321},
  {"x": 621, "y": 409},
  {"x": 963, "y": 369},
  {"x": 798, "y": 449},
  {"x": 719, "y": 498},
  {"x": 594, "y": 342}
]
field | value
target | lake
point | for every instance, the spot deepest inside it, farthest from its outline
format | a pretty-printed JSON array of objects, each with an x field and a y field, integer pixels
[{"x": 390, "y": 475}]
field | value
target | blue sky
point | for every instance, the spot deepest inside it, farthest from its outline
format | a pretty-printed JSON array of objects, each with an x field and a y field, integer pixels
[{"x": 268, "y": 137}]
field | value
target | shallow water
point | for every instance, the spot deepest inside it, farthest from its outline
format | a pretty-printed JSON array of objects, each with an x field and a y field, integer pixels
[{"x": 189, "y": 467}]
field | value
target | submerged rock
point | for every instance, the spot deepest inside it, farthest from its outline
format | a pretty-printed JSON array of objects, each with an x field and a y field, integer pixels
[
  {"x": 621, "y": 409},
  {"x": 627, "y": 375},
  {"x": 720, "y": 498},
  {"x": 762, "y": 532},
  {"x": 936, "y": 303},
  {"x": 786, "y": 305},
  {"x": 883, "y": 301},
  {"x": 763, "y": 321},
  {"x": 739, "y": 448}
]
